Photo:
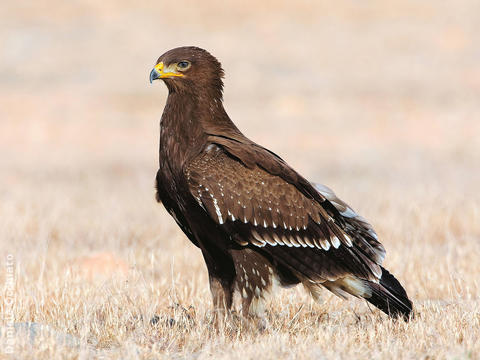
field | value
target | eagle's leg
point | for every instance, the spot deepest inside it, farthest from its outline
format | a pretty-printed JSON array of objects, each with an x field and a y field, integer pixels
[
  {"x": 222, "y": 294},
  {"x": 254, "y": 282},
  {"x": 221, "y": 273}
]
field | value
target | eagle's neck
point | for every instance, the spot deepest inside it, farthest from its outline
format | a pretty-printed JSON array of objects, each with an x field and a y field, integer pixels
[{"x": 187, "y": 122}]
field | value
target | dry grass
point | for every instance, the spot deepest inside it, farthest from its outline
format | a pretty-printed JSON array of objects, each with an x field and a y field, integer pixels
[{"x": 378, "y": 101}]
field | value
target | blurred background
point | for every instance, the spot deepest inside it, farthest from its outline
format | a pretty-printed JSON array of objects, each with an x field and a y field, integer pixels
[
  {"x": 379, "y": 100},
  {"x": 315, "y": 81}
]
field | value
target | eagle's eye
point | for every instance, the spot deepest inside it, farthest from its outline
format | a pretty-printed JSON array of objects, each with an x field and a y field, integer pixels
[{"x": 183, "y": 65}]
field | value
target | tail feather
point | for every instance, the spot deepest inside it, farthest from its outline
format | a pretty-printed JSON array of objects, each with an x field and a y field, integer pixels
[{"x": 390, "y": 297}]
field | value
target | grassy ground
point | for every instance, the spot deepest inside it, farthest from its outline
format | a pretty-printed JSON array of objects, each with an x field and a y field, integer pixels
[{"x": 378, "y": 100}]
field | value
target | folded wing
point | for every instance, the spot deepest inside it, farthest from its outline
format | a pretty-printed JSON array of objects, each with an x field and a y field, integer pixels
[{"x": 261, "y": 210}]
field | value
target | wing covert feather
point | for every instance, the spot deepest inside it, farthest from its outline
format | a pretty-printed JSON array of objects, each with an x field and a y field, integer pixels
[{"x": 263, "y": 210}]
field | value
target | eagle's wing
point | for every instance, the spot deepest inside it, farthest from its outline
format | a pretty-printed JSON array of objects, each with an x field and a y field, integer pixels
[
  {"x": 262, "y": 210},
  {"x": 355, "y": 225}
]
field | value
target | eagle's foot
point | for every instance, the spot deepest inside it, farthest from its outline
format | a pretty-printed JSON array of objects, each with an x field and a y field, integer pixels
[
  {"x": 261, "y": 323},
  {"x": 222, "y": 320}
]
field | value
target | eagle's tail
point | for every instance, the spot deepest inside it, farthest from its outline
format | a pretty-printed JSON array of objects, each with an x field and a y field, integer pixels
[{"x": 389, "y": 296}]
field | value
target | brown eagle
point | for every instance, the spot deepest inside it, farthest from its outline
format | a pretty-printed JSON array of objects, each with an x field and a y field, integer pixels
[{"x": 256, "y": 220}]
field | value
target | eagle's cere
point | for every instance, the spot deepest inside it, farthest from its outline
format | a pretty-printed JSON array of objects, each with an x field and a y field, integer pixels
[{"x": 255, "y": 219}]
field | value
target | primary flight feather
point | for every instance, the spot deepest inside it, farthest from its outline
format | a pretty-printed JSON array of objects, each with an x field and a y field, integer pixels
[{"x": 255, "y": 219}]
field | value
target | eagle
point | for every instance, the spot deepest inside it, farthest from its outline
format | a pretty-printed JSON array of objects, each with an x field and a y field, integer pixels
[{"x": 258, "y": 223}]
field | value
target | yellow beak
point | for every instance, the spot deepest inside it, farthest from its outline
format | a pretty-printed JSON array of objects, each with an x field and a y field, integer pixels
[{"x": 160, "y": 72}]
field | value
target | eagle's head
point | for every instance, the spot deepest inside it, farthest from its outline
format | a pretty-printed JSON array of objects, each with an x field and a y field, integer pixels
[{"x": 191, "y": 70}]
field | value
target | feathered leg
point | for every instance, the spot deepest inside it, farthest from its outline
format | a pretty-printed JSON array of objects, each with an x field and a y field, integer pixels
[{"x": 221, "y": 273}]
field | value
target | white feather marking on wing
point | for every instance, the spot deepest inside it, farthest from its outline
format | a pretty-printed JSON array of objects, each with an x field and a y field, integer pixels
[
  {"x": 277, "y": 239},
  {"x": 286, "y": 241},
  {"x": 308, "y": 241},
  {"x": 257, "y": 239},
  {"x": 270, "y": 241},
  {"x": 231, "y": 215},
  {"x": 335, "y": 242},
  {"x": 349, "y": 213},
  {"x": 217, "y": 209},
  {"x": 348, "y": 240},
  {"x": 325, "y": 244},
  {"x": 300, "y": 240},
  {"x": 293, "y": 241}
]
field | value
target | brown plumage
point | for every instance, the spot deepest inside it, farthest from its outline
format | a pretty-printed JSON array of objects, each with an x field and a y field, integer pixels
[{"x": 256, "y": 220}]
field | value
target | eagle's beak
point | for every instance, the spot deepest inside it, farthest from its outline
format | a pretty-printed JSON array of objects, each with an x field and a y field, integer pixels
[
  {"x": 159, "y": 72},
  {"x": 154, "y": 75}
]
